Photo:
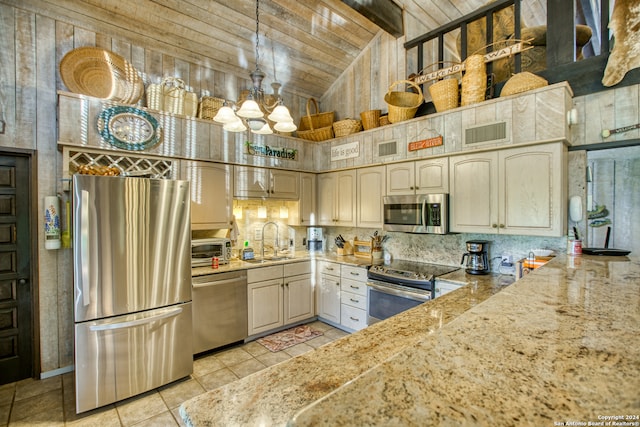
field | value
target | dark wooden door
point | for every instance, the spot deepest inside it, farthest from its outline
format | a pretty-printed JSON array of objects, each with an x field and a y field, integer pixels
[{"x": 16, "y": 293}]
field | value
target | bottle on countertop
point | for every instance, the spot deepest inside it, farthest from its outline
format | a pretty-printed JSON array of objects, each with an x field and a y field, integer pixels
[{"x": 247, "y": 252}]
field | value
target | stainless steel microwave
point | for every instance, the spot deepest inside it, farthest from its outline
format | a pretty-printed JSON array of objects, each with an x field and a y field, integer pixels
[
  {"x": 420, "y": 213},
  {"x": 203, "y": 251}
]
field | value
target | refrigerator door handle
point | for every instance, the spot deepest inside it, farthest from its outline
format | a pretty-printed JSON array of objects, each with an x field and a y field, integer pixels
[
  {"x": 137, "y": 322},
  {"x": 84, "y": 246}
]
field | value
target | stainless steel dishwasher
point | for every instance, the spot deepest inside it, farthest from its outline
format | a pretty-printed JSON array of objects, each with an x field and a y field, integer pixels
[{"x": 219, "y": 310}]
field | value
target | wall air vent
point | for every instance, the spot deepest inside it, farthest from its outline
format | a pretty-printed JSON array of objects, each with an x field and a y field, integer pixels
[
  {"x": 495, "y": 132},
  {"x": 387, "y": 148}
]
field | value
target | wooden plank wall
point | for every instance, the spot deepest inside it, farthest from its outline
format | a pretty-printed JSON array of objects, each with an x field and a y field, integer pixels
[{"x": 364, "y": 83}]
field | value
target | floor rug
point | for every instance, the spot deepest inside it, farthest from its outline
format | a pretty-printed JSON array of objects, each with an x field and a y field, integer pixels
[{"x": 288, "y": 338}]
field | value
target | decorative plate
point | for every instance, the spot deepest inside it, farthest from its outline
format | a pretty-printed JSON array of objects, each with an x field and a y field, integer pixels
[{"x": 129, "y": 128}]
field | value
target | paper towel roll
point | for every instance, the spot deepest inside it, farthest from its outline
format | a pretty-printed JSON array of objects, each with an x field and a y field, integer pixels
[{"x": 51, "y": 222}]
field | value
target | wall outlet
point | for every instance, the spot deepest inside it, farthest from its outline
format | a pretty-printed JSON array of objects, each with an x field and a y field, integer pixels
[
  {"x": 507, "y": 260},
  {"x": 257, "y": 234}
]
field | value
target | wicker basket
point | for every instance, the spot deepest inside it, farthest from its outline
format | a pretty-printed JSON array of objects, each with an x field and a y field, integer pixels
[
  {"x": 474, "y": 81},
  {"x": 173, "y": 92},
  {"x": 403, "y": 105},
  {"x": 370, "y": 119},
  {"x": 317, "y": 120},
  {"x": 444, "y": 94},
  {"x": 346, "y": 127},
  {"x": 384, "y": 120},
  {"x": 522, "y": 82},
  {"x": 209, "y": 107},
  {"x": 316, "y": 135}
]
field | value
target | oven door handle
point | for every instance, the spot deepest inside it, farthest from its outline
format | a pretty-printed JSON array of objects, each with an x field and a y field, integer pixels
[{"x": 398, "y": 292}]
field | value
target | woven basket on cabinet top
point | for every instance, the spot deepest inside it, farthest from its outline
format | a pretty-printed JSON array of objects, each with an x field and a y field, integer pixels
[
  {"x": 403, "y": 105},
  {"x": 347, "y": 127},
  {"x": 317, "y": 120}
]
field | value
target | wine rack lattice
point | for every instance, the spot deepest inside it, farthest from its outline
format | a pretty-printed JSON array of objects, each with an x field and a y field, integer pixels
[{"x": 128, "y": 165}]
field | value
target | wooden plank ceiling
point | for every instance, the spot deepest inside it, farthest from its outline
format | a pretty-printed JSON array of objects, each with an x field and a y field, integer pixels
[{"x": 311, "y": 42}]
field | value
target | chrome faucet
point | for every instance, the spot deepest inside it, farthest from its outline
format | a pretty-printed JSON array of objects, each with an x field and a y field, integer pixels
[{"x": 275, "y": 244}]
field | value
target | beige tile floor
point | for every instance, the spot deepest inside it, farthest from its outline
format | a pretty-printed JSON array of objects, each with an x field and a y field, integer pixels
[{"x": 51, "y": 402}]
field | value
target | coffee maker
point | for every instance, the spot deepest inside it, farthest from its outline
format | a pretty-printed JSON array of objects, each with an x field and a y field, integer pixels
[
  {"x": 314, "y": 239},
  {"x": 477, "y": 257}
]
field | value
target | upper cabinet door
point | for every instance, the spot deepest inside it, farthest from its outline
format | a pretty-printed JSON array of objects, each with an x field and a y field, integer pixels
[
  {"x": 532, "y": 187},
  {"x": 371, "y": 189},
  {"x": 400, "y": 179},
  {"x": 346, "y": 198},
  {"x": 284, "y": 184},
  {"x": 210, "y": 184},
  {"x": 432, "y": 176},
  {"x": 473, "y": 200},
  {"x": 308, "y": 214},
  {"x": 326, "y": 198},
  {"x": 251, "y": 182}
]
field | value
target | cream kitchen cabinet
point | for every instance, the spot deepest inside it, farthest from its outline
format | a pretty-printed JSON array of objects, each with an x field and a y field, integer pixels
[
  {"x": 307, "y": 204},
  {"x": 298, "y": 292},
  {"x": 419, "y": 177},
  {"x": 370, "y": 191},
  {"x": 211, "y": 187},
  {"x": 353, "y": 297},
  {"x": 337, "y": 198},
  {"x": 279, "y": 295},
  {"x": 251, "y": 182},
  {"x": 328, "y": 291},
  {"x": 265, "y": 298},
  {"x": 518, "y": 191}
]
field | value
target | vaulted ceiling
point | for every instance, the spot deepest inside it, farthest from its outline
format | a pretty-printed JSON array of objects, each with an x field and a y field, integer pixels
[{"x": 310, "y": 42}]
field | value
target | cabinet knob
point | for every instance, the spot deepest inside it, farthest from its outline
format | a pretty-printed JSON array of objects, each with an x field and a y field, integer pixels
[
  {"x": 353, "y": 273},
  {"x": 337, "y": 283},
  {"x": 501, "y": 225},
  {"x": 494, "y": 225},
  {"x": 355, "y": 287},
  {"x": 411, "y": 188},
  {"x": 355, "y": 319},
  {"x": 22, "y": 282},
  {"x": 282, "y": 285},
  {"x": 354, "y": 300}
]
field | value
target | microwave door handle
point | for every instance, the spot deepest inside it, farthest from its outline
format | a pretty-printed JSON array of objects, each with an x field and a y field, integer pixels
[{"x": 424, "y": 213}]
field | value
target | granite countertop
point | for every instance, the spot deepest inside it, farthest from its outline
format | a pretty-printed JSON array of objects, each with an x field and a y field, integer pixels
[
  {"x": 273, "y": 396},
  {"x": 558, "y": 347},
  {"x": 298, "y": 256}
]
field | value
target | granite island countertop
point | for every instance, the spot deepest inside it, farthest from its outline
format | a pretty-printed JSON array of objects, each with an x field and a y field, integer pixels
[
  {"x": 272, "y": 396},
  {"x": 558, "y": 347}
]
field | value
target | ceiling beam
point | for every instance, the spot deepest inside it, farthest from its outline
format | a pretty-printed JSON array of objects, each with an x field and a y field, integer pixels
[{"x": 384, "y": 13}]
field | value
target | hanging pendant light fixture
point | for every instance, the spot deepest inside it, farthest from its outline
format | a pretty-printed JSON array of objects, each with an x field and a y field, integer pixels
[{"x": 254, "y": 107}]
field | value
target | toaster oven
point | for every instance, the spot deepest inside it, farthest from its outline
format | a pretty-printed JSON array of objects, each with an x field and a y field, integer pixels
[{"x": 204, "y": 250}]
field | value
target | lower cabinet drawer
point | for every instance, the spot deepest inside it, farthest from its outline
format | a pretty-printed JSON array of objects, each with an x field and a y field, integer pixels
[
  {"x": 354, "y": 300},
  {"x": 353, "y": 318}
]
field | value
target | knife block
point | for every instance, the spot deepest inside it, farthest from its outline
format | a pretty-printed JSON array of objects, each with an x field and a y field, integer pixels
[{"x": 346, "y": 250}]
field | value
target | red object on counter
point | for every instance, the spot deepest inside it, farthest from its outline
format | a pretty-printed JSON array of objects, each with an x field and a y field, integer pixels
[{"x": 215, "y": 262}]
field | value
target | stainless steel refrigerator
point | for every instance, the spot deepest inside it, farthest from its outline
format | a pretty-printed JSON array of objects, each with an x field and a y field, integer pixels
[{"x": 132, "y": 286}]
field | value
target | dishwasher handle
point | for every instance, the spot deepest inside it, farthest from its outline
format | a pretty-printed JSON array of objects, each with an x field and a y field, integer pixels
[{"x": 218, "y": 279}]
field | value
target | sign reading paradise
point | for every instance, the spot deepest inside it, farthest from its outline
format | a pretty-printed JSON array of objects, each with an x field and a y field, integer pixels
[
  {"x": 265, "y": 150},
  {"x": 489, "y": 57}
]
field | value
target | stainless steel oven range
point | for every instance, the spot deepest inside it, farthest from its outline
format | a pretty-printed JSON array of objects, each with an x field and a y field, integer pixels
[{"x": 400, "y": 285}]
